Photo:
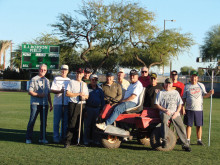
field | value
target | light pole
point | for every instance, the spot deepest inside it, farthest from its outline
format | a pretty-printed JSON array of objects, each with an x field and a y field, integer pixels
[{"x": 172, "y": 20}]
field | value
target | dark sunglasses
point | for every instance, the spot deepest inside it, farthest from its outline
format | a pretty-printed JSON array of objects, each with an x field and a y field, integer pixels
[
  {"x": 174, "y": 74},
  {"x": 94, "y": 79},
  {"x": 143, "y": 71}
]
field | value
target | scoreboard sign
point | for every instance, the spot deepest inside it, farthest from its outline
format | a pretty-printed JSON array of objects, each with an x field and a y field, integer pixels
[{"x": 34, "y": 55}]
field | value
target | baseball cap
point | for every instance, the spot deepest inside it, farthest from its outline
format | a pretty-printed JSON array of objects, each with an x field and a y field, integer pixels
[
  {"x": 153, "y": 75},
  {"x": 174, "y": 71},
  {"x": 194, "y": 73},
  {"x": 80, "y": 70},
  {"x": 121, "y": 70},
  {"x": 87, "y": 70},
  {"x": 109, "y": 74},
  {"x": 93, "y": 76},
  {"x": 64, "y": 67},
  {"x": 133, "y": 72},
  {"x": 168, "y": 80}
]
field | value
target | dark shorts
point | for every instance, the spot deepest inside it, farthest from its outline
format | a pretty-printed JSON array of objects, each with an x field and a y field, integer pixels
[{"x": 193, "y": 116}]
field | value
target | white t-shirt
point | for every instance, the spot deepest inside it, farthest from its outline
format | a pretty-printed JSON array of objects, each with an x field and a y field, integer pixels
[
  {"x": 57, "y": 84},
  {"x": 169, "y": 100},
  {"x": 136, "y": 89},
  {"x": 76, "y": 87},
  {"x": 194, "y": 96}
]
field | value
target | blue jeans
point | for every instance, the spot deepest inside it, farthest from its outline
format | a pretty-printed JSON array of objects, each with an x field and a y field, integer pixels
[
  {"x": 119, "y": 109},
  {"x": 35, "y": 109},
  {"x": 89, "y": 124},
  {"x": 60, "y": 116}
]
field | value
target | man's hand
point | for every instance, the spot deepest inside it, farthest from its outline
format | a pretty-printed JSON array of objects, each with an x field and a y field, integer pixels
[
  {"x": 41, "y": 95},
  {"x": 211, "y": 92},
  {"x": 175, "y": 115},
  {"x": 168, "y": 112},
  {"x": 51, "y": 108}
]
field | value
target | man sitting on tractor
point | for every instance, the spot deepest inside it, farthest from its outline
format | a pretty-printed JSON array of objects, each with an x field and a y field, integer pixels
[
  {"x": 130, "y": 100},
  {"x": 169, "y": 103}
]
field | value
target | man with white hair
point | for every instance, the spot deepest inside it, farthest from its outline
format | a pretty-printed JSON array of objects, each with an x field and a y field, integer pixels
[
  {"x": 144, "y": 78},
  {"x": 123, "y": 82},
  {"x": 60, "y": 103},
  {"x": 39, "y": 89}
]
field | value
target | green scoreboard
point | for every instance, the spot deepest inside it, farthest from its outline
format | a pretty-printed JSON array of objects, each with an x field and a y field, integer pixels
[{"x": 34, "y": 55}]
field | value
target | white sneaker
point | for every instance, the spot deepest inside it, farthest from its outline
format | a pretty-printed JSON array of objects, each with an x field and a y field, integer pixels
[
  {"x": 28, "y": 141},
  {"x": 101, "y": 126},
  {"x": 43, "y": 141}
]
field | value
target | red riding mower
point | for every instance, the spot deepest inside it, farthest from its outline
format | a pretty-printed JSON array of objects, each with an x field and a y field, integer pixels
[{"x": 140, "y": 122}]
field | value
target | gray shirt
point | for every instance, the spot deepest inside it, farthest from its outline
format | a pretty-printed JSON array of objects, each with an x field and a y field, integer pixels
[
  {"x": 194, "y": 96},
  {"x": 169, "y": 100},
  {"x": 39, "y": 85}
]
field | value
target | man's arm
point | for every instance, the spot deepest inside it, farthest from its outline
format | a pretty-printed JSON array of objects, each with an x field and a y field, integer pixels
[
  {"x": 50, "y": 102},
  {"x": 119, "y": 93},
  {"x": 211, "y": 92},
  {"x": 84, "y": 97},
  {"x": 129, "y": 98},
  {"x": 35, "y": 94},
  {"x": 163, "y": 109}
]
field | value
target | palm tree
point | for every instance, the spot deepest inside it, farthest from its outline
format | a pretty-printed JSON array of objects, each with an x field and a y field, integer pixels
[{"x": 4, "y": 45}]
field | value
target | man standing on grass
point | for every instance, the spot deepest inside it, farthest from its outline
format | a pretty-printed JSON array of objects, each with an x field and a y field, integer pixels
[
  {"x": 94, "y": 105},
  {"x": 60, "y": 103},
  {"x": 77, "y": 90},
  {"x": 193, "y": 95},
  {"x": 39, "y": 89},
  {"x": 169, "y": 103}
]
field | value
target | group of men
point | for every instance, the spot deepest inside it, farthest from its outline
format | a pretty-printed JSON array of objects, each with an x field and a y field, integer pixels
[{"x": 82, "y": 100}]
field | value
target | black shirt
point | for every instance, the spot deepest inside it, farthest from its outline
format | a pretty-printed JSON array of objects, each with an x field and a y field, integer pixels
[{"x": 150, "y": 95}]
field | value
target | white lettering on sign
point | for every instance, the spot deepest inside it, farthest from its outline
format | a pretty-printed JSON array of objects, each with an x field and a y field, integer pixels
[
  {"x": 53, "y": 55},
  {"x": 52, "y": 66},
  {"x": 25, "y": 65},
  {"x": 40, "y": 54},
  {"x": 26, "y": 54},
  {"x": 10, "y": 85}
]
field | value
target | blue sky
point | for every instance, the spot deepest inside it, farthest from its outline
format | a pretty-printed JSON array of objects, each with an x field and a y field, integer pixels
[{"x": 24, "y": 20}]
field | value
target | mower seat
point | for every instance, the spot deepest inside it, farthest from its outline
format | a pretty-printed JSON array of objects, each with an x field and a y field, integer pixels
[{"x": 139, "y": 107}]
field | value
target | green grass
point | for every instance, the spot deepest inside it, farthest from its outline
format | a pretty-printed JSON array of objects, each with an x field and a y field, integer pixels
[{"x": 14, "y": 115}]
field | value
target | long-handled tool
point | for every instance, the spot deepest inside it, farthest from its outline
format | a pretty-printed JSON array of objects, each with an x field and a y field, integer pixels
[
  {"x": 44, "y": 121},
  {"x": 80, "y": 117},
  {"x": 62, "y": 123}
]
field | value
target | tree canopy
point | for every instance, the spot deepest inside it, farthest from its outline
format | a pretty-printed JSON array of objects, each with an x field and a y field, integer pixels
[
  {"x": 211, "y": 47},
  {"x": 119, "y": 34}
]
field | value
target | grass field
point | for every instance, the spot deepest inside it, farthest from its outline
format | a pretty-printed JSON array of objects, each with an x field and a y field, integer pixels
[{"x": 14, "y": 115}]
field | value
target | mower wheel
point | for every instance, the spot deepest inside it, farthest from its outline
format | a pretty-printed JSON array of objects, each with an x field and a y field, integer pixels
[
  {"x": 156, "y": 140},
  {"x": 111, "y": 142}
]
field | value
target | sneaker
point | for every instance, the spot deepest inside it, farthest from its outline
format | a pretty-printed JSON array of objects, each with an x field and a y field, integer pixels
[
  {"x": 43, "y": 141},
  {"x": 125, "y": 139},
  {"x": 101, "y": 126},
  {"x": 164, "y": 144},
  {"x": 199, "y": 142},
  {"x": 28, "y": 141},
  {"x": 186, "y": 148},
  {"x": 188, "y": 141}
]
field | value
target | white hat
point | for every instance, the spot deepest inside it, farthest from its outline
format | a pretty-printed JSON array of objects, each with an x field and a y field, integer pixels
[
  {"x": 121, "y": 70},
  {"x": 93, "y": 76},
  {"x": 64, "y": 67}
]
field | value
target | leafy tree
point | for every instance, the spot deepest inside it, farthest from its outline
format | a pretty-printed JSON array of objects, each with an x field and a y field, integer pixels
[
  {"x": 122, "y": 32},
  {"x": 185, "y": 70},
  {"x": 211, "y": 48}
]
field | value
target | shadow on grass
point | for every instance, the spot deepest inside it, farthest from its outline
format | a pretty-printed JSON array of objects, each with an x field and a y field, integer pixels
[{"x": 19, "y": 135}]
